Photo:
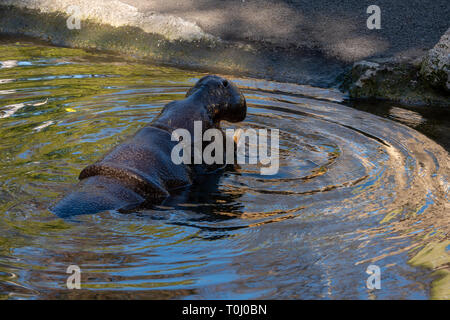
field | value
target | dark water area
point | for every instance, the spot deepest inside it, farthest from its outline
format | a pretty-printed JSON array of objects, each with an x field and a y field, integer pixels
[
  {"x": 357, "y": 186},
  {"x": 434, "y": 122}
]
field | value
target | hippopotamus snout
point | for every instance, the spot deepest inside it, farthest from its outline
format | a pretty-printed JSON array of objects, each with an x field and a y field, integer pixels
[{"x": 229, "y": 103}]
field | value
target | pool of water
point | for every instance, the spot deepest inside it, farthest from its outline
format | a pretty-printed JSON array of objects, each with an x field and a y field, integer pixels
[{"x": 354, "y": 189}]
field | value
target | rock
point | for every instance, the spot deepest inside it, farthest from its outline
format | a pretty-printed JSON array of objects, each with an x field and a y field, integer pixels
[
  {"x": 415, "y": 81},
  {"x": 366, "y": 71},
  {"x": 388, "y": 79},
  {"x": 436, "y": 64}
]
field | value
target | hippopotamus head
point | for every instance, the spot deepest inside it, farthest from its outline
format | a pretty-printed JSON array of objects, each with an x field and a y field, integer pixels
[{"x": 222, "y": 97}]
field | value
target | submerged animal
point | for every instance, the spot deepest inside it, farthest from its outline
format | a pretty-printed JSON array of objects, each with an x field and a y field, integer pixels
[{"x": 141, "y": 169}]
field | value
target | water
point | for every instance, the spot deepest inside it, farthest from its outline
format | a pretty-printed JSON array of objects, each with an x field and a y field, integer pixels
[{"x": 354, "y": 189}]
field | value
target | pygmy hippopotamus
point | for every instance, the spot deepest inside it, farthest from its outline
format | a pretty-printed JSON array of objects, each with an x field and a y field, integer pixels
[{"x": 141, "y": 169}]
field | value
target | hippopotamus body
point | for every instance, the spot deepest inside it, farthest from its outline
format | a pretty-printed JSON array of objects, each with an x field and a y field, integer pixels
[{"x": 141, "y": 169}]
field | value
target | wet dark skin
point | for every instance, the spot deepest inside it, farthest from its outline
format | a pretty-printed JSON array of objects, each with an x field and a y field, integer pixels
[{"x": 141, "y": 169}]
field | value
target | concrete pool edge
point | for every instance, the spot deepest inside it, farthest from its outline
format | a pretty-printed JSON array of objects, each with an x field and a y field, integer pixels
[
  {"x": 172, "y": 41},
  {"x": 207, "y": 54}
]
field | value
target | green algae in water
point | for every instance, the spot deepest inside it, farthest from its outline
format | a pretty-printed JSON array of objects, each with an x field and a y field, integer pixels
[{"x": 64, "y": 110}]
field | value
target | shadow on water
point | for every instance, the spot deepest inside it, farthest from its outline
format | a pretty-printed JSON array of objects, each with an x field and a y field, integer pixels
[
  {"x": 434, "y": 122},
  {"x": 353, "y": 189}
]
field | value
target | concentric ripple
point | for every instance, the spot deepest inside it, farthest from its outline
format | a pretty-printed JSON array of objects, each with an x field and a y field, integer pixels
[{"x": 353, "y": 189}]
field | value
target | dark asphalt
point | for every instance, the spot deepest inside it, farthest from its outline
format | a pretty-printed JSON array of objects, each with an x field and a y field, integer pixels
[{"x": 338, "y": 28}]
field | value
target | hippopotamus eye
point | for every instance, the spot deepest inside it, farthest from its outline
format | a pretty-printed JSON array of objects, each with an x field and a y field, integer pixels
[{"x": 225, "y": 83}]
